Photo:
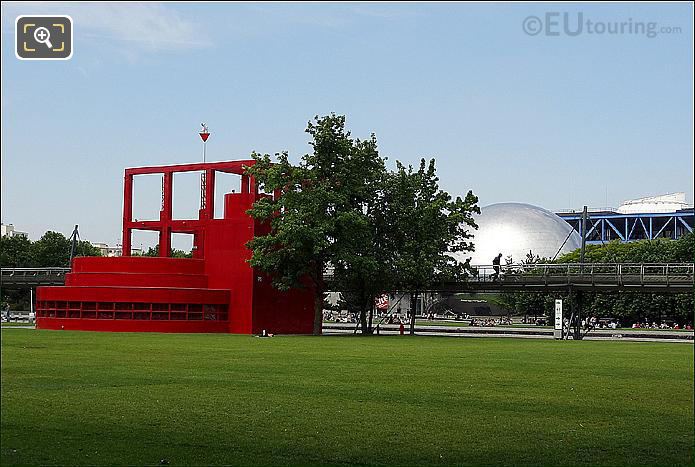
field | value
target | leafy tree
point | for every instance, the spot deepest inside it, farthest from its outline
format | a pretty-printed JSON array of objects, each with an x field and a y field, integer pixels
[
  {"x": 174, "y": 253},
  {"x": 321, "y": 214},
  {"x": 84, "y": 248},
  {"x": 645, "y": 251},
  {"x": 52, "y": 250},
  {"x": 649, "y": 306},
  {"x": 16, "y": 252},
  {"x": 684, "y": 248},
  {"x": 339, "y": 207},
  {"x": 361, "y": 263},
  {"x": 427, "y": 226}
]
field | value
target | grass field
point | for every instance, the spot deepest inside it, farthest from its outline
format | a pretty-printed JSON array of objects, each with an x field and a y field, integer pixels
[{"x": 101, "y": 398}]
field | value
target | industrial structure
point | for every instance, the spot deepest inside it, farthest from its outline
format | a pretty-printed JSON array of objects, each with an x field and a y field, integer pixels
[
  {"x": 215, "y": 291},
  {"x": 666, "y": 216}
]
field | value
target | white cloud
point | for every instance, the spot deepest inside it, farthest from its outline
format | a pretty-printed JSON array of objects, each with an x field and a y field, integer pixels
[{"x": 147, "y": 26}]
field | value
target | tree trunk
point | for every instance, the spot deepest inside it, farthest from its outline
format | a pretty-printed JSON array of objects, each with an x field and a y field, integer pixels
[
  {"x": 363, "y": 319},
  {"x": 413, "y": 307}
]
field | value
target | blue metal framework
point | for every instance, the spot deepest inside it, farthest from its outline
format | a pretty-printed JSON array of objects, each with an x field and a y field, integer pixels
[{"x": 605, "y": 226}]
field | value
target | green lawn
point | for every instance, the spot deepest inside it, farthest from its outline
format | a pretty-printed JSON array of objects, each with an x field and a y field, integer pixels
[{"x": 101, "y": 398}]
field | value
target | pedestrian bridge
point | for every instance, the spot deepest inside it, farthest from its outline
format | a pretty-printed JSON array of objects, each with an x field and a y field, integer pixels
[
  {"x": 642, "y": 277},
  {"x": 19, "y": 278}
]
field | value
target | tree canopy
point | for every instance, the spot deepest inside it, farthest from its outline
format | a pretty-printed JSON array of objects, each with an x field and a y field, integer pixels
[
  {"x": 319, "y": 216},
  {"x": 340, "y": 208},
  {"x": 51, "y": 250},
  {"x": 427, "y": 226},
  {"x": 646, "y": 251},
  {"x": 174, "y": 253}
]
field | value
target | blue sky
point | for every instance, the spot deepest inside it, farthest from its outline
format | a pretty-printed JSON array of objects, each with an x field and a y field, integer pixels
[{"x": 555, "y": 121}]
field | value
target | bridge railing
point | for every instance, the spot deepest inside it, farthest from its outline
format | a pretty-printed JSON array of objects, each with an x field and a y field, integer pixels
[
  {"x": 594, "y": 272},
  {"x": 587, "y": 273},
  {"x": 23, "y": 277},
  {"x": 615, "y": 273},
  {"x": 33, "y": 272}
]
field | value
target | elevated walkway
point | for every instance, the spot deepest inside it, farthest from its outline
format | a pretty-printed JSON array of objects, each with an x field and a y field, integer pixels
[
  {"x": 22, "y": 278},
  {"x": 624, "y": 277}
]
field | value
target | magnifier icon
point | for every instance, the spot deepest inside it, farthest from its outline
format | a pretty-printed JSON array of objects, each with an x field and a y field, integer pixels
[{"x": 43, "y": 36}]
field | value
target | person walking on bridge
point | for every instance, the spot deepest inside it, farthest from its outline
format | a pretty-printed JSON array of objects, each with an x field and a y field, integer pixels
[{"x": 496, "y": 266}]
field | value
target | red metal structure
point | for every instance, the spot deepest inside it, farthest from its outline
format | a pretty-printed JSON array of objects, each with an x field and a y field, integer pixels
[{"x": 215, "y": 291}]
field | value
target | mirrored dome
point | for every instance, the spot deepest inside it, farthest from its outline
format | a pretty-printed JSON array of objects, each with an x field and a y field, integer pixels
[{"x": 514, "y": 229}]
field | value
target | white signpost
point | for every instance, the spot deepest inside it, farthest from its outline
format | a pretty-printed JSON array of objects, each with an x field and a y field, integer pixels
[{"x": 558, "y": 319}]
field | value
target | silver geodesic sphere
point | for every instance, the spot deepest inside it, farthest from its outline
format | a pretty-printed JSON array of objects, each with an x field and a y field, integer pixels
[{"x": 514, "y": 229}]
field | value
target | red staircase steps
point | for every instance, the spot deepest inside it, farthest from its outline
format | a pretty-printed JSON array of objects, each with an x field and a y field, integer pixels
[
  {"x": 142, "y": 264},
  {"x": 134, "y": 294},
  {"x": 125, "y": 279}
]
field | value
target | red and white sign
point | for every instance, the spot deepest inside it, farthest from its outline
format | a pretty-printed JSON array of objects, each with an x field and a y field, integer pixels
[
  {"x": 382, "y": 302},
  {"x": 204, "y": 133}
]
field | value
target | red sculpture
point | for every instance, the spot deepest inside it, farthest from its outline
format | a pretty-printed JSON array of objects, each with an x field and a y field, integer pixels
[{"x": 215, "y": 291}]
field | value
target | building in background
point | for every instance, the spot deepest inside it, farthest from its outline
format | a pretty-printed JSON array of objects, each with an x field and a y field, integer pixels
[
  {"x": 8, "y": 230},
  {"x": 667, "y": 216},
  {"x": 673, "y": 202},
  {"x": 114, "y": 251}
]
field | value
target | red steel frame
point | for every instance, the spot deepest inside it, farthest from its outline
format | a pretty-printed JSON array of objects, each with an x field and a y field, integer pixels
[{"x": 215, "y": 291}]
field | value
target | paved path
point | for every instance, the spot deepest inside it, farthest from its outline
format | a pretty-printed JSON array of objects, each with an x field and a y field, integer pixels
[{"x": 522, "y": 332}]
